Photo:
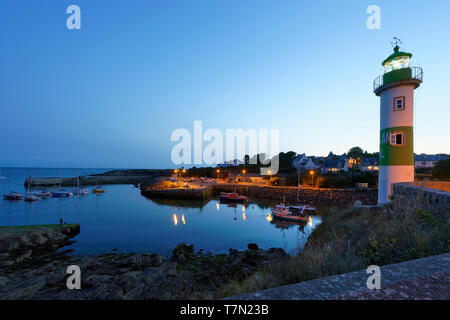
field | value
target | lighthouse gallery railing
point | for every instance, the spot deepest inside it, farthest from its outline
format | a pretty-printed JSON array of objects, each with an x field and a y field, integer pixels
[{"x": 416, "y": 73}]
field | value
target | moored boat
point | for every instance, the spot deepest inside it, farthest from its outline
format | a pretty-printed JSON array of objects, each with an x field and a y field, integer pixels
[
  {"x": 80, "y": 192},
  {"x": 305, "y": 208},
  {"x": 30, "y": 197},
  {"x": 61, "y": 194},
  {"x": 12, "y": 195},
  {"x": 232, "y": 197},
  {"x": 41, "y": 194},
  {"x": 282, "y": 212},
  {"x": 98, "y": 190}
]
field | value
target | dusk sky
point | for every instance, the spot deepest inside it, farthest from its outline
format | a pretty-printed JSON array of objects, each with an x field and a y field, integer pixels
[{"x": 110, "y": 95}]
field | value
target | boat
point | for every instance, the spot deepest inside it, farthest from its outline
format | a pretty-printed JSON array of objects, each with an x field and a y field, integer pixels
[
  {"x": 80, "y": 191},
  {"x": 41, "y": 194},
  {"x": 98, "y": 190},
  {"x": 29, "y": 197},
  {"x": 305, "y": 208},
  {"x": 232, "y": 197},
  {"x": 61, "y": 194},
  {"x": 12, "y": 195},
  {"x": 282, "y": 212}
]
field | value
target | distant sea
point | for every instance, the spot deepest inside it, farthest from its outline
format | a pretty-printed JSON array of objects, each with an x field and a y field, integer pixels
[{"x": 123, "y": 219}]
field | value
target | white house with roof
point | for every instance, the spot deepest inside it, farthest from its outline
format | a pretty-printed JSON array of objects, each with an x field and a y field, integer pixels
[
  {"x": 427, "y": 160},
  {"x": 231, "y": 163},
  {"x": 302, "y": 162},
  {"x": 334, "y": 165}
]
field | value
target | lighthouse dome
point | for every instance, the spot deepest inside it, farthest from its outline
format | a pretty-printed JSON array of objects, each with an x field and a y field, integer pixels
[{"x": 397, "y": 60}]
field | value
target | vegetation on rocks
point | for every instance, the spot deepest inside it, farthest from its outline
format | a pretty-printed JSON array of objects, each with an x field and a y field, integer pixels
[{"x": 350, "y": 240}]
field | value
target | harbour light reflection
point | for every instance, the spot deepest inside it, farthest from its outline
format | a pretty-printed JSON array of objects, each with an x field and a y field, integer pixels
[
  {"x": 182, "y": 219},
  {"x": 175, "y": 219}
]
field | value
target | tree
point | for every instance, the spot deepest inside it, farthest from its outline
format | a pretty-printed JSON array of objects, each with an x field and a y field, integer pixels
[
  {"x": 442, "y": 170},
  {"x": 356, "y": 153}
]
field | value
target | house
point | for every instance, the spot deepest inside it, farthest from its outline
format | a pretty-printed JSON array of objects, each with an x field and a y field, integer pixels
[
  {"x": 231, "y": 163},
  {"x": 302, "y": 162},
  {"x": 427, "y": 160},
  {"x": 369, "y": 164},
  {"x": 248, "y": 177},
  {"x": 334, "y": 165}
]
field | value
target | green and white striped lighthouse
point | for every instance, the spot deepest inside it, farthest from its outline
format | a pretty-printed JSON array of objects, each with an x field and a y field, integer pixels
[{"x": 396, "y": 91}]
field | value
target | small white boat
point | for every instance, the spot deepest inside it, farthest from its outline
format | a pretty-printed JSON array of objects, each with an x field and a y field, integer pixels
[
  {"x": 41, "y": 194},
  {"x": 29, "y": 197},
  {"x": 305, "y": 208},
  {"x": 62, "y": 194},
  {"x": 12, "y": 195},
  {"x": 80, "y": 192}
]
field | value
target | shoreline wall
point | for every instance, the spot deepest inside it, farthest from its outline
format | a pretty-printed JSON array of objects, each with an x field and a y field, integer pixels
[
  {"x": 328, "y": 197},
  {"x": 409, "y": 197}
]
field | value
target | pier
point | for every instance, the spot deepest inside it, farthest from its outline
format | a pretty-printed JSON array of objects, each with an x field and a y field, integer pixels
[{"x": 315, "y": 196}]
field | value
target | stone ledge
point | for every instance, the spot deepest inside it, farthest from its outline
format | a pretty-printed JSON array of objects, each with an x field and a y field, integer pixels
[{"x": 338, "y": 286}]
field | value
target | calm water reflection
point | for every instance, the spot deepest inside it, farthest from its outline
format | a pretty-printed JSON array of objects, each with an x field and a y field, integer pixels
[{"x": 123, "y": 219}]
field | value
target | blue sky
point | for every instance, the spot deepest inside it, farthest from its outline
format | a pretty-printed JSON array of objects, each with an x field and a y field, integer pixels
[{"x": 110, "y": 94}]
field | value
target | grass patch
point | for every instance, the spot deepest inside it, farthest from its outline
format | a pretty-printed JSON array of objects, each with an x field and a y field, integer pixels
[{"x": 350, "y": 240}]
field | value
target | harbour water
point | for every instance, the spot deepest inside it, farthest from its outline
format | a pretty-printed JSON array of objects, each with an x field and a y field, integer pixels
[{"x": 123, "y": 219}]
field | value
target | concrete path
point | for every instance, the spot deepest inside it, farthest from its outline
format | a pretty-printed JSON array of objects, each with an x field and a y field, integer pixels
[{"x": 426, "y": 278}]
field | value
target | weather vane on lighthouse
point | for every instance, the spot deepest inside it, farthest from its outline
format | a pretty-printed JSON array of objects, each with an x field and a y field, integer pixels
[{"x": 396, "y": 42}]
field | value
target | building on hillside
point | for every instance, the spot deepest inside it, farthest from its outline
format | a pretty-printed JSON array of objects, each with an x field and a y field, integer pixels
[
  {"x": 352, "y": 163},
  {"x": 369, "y": 164},
  {"x": 334, "y": 165},
  {"x": 302, "y": 162},
  {"x": 231, "y": 163},
  {"x": 247, "y": 177},
  {"x": 427, "y": 160}
]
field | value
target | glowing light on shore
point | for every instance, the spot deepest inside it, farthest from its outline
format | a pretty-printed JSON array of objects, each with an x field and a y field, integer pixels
[
  {"x": 310, "y": 221},
  {"x": 175, "y": 219},
  {"x": 269, "y": 217},
  {"x": 182, "y": 219}
]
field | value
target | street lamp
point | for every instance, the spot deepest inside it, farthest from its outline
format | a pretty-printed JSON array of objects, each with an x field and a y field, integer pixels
[
  {"x": 312, "y": 178},
  {"x": 218, "y": 174},
  {"x": 243, "y": 171}
]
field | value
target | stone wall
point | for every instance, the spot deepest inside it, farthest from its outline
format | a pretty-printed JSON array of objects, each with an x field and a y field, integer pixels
[
  {"x": 326, "y": 197},
  {"x": 408, "y": 197}
]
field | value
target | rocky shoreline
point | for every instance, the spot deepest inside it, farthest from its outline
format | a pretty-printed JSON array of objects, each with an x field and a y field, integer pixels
[{"x": 32, "y": 273}]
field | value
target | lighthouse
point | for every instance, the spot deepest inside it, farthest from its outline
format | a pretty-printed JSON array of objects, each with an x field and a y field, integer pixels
[{"x": 396, "y": 91}]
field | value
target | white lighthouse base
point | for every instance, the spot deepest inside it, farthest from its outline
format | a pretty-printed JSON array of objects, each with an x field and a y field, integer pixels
[{"x": 388, "y": 175}]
